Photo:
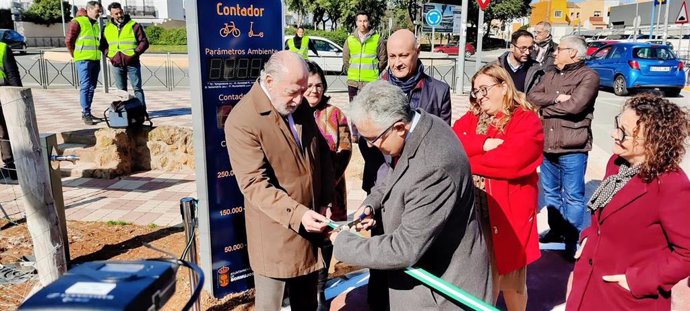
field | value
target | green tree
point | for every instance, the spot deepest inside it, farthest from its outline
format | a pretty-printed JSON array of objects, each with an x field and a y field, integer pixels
[
  {"x": 47, "y": 12},
  {"x": 375, "y": 8}
]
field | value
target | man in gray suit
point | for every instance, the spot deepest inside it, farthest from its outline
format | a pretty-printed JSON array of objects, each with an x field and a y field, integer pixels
[{"x": 426, "y": 204}]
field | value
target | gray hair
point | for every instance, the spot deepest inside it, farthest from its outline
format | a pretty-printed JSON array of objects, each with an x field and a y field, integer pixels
[
  {"x": 546, "y": 25},
  {"x": 93, "y": 4},
  {"x": 381, "y": 103},
  {"x": 276, "y": 65},
  {"x": 576, "y": 43}
]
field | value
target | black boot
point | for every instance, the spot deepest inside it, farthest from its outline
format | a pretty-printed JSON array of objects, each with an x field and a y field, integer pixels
[
  {"x": 571, "y": 236},
  {"x": 556, "y": 224},
  {"x": 323, "y": 304}
]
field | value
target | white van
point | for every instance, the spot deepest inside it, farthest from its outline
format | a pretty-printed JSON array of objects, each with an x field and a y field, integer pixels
[{"x": 330, "y": 53}]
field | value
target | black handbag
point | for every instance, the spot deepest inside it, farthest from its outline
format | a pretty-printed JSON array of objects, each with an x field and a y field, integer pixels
[{"x": 129, "y": 113}]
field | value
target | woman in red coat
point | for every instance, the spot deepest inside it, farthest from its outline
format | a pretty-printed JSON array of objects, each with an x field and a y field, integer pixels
[
  {"x": 638, "y": 245},
  {"x": 503, "y": 138}
]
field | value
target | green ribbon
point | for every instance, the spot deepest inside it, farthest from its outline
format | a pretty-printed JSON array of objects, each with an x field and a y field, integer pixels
[{"x": 441, "y": 285}]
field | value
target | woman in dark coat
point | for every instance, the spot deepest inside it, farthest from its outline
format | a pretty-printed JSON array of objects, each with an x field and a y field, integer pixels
[
  {"x": 638, "y": 245},
  {"x": 333, "y": 126}
]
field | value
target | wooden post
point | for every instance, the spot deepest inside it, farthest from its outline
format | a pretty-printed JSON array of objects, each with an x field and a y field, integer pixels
[{"x": 41, "y": 215}]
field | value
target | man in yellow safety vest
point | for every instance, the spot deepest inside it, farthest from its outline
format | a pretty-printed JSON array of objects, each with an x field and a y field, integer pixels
[
  {"x": 123, "y": 41},
  {"x": 9, "y": 76},
  {"x": 301, "y": 44},
  {"x": 364, "y": 58},
  {"x": 82, "y": 42}
]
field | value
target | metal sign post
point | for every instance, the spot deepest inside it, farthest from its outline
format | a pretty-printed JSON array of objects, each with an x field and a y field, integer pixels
[
  {"x": 667, "y": 4},
  {"x": 228, "y": 44},
  {"x": 480, "y": 36},
  {"x": 433, "y": 18},
  {"x": 460, "y": 61},
  {"x": 682, "y": 19},
  {"x": 483, "y": 4}
]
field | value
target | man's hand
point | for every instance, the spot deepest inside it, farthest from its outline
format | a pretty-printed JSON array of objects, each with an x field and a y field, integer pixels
[
  {"x": 578, "y": 253},
  {"x": 617, "y": 278},
  {"x": 366, "y": 214},
  {"x": 333, "y": 235},
  {"x": 562, "y": 97},
  {"x": 492, "y": 143},
  {"x": 314, "y": 222}
]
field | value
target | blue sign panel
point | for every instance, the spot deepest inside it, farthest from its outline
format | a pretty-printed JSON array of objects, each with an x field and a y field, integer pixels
[
  {"x": 433, "y": 18},
  {"x": 235, "y": 39},
  {"x": 439, "y": 16}
]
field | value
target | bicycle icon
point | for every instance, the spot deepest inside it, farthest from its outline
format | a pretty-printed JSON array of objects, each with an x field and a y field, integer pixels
[
  {"x": 230, "y": 29},
  {"x": 254, "y": 34}
]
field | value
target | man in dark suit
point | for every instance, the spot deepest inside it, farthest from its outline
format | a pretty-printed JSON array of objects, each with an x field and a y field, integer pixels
[
  {"x": 426, "y": 204},
  {"x": 279, "y": 158}
]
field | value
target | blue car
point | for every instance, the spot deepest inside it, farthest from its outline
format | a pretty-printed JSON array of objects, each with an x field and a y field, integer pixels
[
  {"x": 15, "y": 40},
  {"x": 625, "y": 66}
]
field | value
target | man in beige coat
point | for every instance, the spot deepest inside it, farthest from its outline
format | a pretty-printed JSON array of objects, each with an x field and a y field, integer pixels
[{"x": 276, "y": 152}]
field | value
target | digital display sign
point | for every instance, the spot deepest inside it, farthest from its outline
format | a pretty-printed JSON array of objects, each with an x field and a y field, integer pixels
[
  {"x": 233, "y": 68},
  {"x": 229, "y": 43}
]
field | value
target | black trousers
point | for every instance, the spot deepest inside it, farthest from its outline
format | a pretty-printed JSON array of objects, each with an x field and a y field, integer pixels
[{"x": 301, "y": 290}]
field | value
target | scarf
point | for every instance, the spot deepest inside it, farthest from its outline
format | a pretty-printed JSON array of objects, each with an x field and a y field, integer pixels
[
  {"x": 544, "y": 43},
  {"x": 611, "y": 185},
  {"x": 298, "y": 42},
  {"x": 409, "y": 84}
]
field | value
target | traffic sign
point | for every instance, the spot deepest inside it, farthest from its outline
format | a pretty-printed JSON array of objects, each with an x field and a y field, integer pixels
[
  {"x": 683, "y": 14},
  {"x": 433, "y": 18},
  {"x": 483, "y": 4},
  {"x": 659, "y": 2}
]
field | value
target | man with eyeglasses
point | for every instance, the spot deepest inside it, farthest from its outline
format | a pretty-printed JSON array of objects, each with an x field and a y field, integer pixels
[
  {"x": 565, "y": 97},
  {"x": 426, "y": 204},
  {"x": 280, "y": 160},
  {"x": 517, "y": 62},
  {"x": 544, "y": 46}
]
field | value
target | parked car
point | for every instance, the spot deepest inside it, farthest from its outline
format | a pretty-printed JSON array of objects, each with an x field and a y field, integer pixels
[
  {"x": 330, "y": 57},
  {"x": 15, "y": 40},
  {"x": 453, "y": 49},
  {"x": 595, "y": 45},
  {"x": 637, "y": 65}
]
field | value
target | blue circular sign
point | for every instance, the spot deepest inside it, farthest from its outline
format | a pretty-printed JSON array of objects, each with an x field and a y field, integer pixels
[{"x": 433, "y": 17}]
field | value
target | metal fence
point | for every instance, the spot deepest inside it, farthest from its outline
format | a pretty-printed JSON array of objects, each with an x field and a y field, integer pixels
[
  {"x": 43, "y": 42},
  {"x": 38, "y": 70},
  {"x": 165, "y": 72}
]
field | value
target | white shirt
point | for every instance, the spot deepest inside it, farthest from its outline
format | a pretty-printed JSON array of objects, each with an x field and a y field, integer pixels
[{"x": 290, "y": 120}]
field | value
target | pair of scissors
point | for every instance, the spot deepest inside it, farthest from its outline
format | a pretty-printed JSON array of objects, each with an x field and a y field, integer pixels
[{"x": 349, "y": 225}]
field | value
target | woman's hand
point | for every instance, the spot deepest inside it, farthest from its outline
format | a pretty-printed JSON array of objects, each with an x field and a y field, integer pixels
[
  {"x": 492, "y": 143},
  {"x": 617, "y": 278}
]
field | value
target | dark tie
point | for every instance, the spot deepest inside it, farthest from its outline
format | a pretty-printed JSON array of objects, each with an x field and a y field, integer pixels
[{"x": 394, "y": 161}]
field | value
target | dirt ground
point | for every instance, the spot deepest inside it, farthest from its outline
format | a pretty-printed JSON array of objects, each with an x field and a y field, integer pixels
[{"x": 91, "y": 241}]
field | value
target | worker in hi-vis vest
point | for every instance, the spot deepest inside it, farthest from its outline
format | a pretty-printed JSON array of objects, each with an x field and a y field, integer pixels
[
  {"x": 82, "y": 42},
  {"x": 364, "y": 55},
  {"x": 364, "y": 58},
  {"x": 301, "y": 44},
  {"x": 9, "y": 76},
  {"x": 123, "y": 40}
]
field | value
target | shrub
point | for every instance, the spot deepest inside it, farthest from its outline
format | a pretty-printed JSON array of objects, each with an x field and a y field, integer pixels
[
  {"x": 153, "y": 33},
  {"x": 163, "y": 36},
  {"x": 176, "y": 36}
]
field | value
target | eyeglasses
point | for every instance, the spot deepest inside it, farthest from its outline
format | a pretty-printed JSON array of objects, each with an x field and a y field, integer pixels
[
  {"x": 482, "y": 91},
  {"x": 523, "y": 49},
  {"x": 373, "y": 141},
  {"x": 620, "y": 132},
  {"x": 559, "y": 49}
]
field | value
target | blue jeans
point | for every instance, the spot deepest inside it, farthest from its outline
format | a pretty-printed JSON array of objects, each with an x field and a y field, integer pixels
[
  {"x": 563, "y": 181},
  {"x": 134, "y": 73},
  {"x": 88, "y": 71}
]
